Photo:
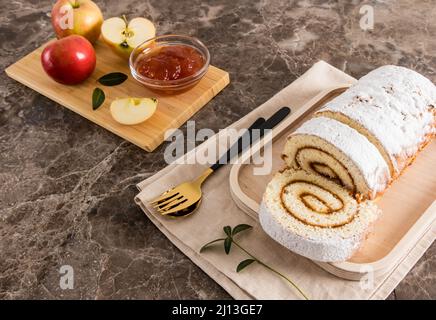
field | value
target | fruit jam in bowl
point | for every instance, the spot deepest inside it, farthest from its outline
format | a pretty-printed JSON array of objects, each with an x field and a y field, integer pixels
[{"x": 169, "y": 64}]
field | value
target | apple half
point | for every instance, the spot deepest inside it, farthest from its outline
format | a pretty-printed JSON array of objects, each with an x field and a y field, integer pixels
[
  {"x": 132, "y": 111},
  {"x": 122, "y": 36}
]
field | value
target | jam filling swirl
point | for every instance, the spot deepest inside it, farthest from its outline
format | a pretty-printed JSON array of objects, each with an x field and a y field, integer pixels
[
  {"x": 315, "y": 205},
  {"x": 321, "y": 167}
]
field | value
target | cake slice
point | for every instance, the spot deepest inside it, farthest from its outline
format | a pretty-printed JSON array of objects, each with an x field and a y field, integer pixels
[
  {"x": 336, "y": 151},
  {"x": 394, "y": 108},
  {"x": 315, "y": 217}
]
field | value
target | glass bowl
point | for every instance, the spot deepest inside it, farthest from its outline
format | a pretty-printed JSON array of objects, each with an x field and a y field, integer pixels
[{"x": 169, "y": 86}]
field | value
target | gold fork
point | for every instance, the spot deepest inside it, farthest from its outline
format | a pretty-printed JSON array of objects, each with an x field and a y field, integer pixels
[{"x": 188, "y": 194}]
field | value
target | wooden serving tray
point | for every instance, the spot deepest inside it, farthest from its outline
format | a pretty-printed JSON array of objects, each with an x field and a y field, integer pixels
[
  {"x": 172, "y": 111},
  {"x": 408, "y": 206}
]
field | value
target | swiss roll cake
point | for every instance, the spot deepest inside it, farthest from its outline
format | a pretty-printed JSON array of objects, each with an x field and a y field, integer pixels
[
  {"x": 315, "y": 217},
  {"x": 345, "y": 156},
  {"x": 336, "y": 151},
  {"x": 394, "y": 108}
]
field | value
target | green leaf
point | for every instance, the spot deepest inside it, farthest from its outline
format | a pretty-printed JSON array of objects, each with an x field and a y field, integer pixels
[
  {"x": 113, "y": 79},
  {"x": 209, "y": 243},
  {"x": 244, "y": 264},
  {"x": 97, "y": 98},
  {"x": 227, "y": 244},
  {"x": 228, "y": 230},
  {"x": 240, "y": 227}
]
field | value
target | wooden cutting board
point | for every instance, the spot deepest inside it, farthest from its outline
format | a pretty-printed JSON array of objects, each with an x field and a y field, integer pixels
[{"x": 172, "y": 111}]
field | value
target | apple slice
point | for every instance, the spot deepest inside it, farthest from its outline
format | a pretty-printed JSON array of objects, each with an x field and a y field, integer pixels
[
  {"x": 133, "y": 110},
  {"x": 122, "y": 37}
]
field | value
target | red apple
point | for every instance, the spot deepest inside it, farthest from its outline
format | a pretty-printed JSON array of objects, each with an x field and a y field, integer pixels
[
  {"x": 69, "y": 60},
  {"x": 82, "y": 17}
]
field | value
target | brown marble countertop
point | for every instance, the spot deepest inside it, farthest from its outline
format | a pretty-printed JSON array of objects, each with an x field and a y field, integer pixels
[{"x": 67, "y": 185}]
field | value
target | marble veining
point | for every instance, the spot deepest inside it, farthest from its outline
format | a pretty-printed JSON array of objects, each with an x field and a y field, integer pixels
[{"x": 67, "y": 185}]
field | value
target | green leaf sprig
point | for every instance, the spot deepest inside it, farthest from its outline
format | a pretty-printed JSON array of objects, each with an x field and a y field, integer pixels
[
  {"x": 229, "y": 240},
  {"x": 109, "y": 80}
]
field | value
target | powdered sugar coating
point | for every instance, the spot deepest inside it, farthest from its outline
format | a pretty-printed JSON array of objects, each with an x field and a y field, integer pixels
[
  {"x": 331, "y": 250},
  {"x": 396, "y": 105}
]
